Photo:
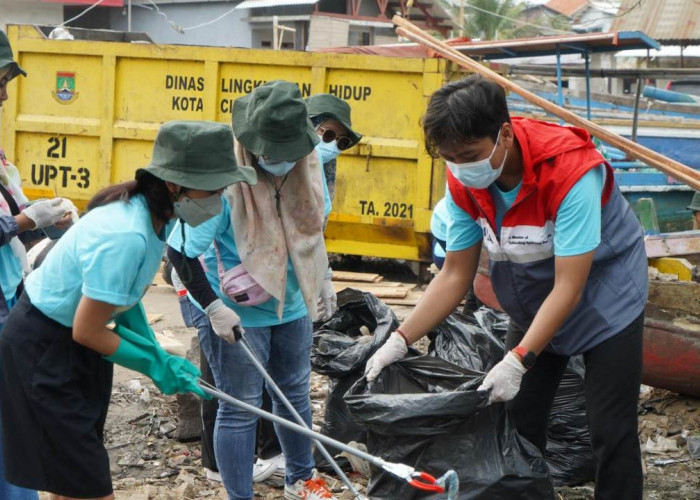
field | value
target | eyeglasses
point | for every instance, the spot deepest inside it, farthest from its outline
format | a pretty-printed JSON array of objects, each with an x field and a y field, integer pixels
[{"x": 344, "y": 142}]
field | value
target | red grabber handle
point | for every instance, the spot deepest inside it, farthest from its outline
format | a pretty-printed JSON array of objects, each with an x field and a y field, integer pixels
[{"x": 427, "y": 486}]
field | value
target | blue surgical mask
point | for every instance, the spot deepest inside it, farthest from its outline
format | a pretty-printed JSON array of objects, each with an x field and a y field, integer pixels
[
  {"x": 478, "y": 174},
  {"x": 276, "y": 167},
  {"x": 329, "y": 151}
]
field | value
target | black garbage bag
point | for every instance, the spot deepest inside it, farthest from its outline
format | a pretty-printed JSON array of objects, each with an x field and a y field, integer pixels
[
  {"x": 426, "y": 412},
  {"x": 477, "y": 342},
  {"x": 569, "y": 453},
  {"x": 473, "y": 341},
  {"x": 341, "y": 351}
]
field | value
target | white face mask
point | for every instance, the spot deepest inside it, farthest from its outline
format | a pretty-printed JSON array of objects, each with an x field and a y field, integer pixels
[
  {"x": 478, "y": 174},
  {"x": 196, "y": 211},
  {"x": 276, "y": 167}
]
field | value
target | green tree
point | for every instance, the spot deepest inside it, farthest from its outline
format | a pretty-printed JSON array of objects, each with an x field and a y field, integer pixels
[{"x": 488, "y": 19}]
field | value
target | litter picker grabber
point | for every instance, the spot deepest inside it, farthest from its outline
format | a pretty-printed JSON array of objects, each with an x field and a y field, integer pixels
[
  {"x": 240, "y": 338},
  {"x": 448, "y": 483}
]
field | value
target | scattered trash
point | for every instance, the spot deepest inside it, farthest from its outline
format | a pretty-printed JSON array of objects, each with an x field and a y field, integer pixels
[
  {"x": 693, "y": 443},
  {"x": 661, "y": 445},
  {"x": 134, "y": 385},
  {"x": 358, "y": 465}
]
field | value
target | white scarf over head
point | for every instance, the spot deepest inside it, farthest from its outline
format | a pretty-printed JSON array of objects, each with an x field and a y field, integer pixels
[{"x": 266, "y": 240}]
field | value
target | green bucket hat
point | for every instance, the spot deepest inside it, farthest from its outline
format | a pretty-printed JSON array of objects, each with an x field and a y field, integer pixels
[
  {"x": 197, "y": 155},
  {"x": 328, "y": 105},
  {"x": 695, "y": 202},
  {"x": 7, "y": 59},
  {"x": 272, "y": 121}
]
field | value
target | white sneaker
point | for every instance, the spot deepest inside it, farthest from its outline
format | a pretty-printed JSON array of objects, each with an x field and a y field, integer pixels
[
  {"x": 314, "y": 488},
  {"x": 264, "y": 469},
  {"x": 213, "y": 475}
]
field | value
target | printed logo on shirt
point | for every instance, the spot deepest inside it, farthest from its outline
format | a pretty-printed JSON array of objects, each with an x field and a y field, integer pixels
[{"x": 525, "y": 244}]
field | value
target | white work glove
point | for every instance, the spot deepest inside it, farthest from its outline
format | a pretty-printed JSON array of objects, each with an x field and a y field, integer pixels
[
  {"x": 327, "y": 300},
  {"x": 45, "y": 213},
  {"x": 393, "y": 350},
  {"x": 504, "y": 379},
  {"x": 223, "y": 320}
]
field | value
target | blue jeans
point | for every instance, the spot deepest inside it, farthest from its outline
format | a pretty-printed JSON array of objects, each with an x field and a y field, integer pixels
[{"x": 285, "y": 351}]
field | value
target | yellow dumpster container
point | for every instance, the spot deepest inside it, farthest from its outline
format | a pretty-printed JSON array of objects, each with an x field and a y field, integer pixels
[{"x": 87, "y": 113}]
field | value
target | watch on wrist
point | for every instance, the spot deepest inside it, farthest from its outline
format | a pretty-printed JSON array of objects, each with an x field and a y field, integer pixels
[{"x": 527, "y": 358}]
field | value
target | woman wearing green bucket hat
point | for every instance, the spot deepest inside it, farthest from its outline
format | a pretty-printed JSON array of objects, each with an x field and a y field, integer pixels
[
  {"x": 270, "y": 236},
  {"x": 56, "y": 353},
  {"x": 330, "y": 116},
  {"x": 20, "y": 223}
]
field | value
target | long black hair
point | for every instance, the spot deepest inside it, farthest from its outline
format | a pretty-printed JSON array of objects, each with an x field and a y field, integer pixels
[{"x": 155, "y": 191}]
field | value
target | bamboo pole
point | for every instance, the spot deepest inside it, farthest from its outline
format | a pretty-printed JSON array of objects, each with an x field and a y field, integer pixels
[{"x": 675, "y": 169}]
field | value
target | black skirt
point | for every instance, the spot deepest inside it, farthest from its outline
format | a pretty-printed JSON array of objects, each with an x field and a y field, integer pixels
[{"x": 54, "y": 395}]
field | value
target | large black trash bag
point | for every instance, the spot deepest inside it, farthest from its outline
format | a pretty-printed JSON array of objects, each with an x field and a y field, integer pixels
[
  {"x": 426, "y": 412},
  {"x": 341, "y": 351},
  {"x": 569, "y": 453},
  {"x": 477, "y": 343}
]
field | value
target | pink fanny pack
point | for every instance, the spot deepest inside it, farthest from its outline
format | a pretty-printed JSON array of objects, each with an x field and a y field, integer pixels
[{"x": 239, "y": 286}]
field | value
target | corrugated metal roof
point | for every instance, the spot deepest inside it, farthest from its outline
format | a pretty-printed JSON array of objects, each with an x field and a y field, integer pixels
[
  {"x": 257, "y": 4},
  {"x": 667, "y": 21},
  {"x": 566, "y": 7}
]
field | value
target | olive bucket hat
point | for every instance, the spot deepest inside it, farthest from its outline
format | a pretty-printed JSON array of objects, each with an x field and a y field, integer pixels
[
  {"x": 272, "y": 121},
  {"x": 7, "y": 59},
  {"x": 197, "y": 155},
  {"x": 695, "y": 202},
  {"x": 330, "y": 106}
]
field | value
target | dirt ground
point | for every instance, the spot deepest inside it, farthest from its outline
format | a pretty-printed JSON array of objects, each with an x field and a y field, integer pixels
[{"x": 149, "y": 464}]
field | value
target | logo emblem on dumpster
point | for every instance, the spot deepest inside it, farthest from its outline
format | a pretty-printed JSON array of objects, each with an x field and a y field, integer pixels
[{"x": 65, "y": 88}]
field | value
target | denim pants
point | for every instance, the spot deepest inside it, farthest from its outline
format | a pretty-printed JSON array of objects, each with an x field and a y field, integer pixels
[{"x": 285, "y": 351}]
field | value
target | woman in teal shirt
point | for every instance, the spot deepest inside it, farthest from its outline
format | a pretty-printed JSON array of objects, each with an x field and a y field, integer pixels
[
  {"x": 56, "y": 353},
  {"x": 273, "y": 232}
]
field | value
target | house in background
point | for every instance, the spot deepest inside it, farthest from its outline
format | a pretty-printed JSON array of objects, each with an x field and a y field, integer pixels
[{"x": 293, "y": 24}]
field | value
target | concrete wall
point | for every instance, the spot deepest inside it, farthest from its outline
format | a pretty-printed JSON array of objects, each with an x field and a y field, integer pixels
[
  {"x": 29, "y": 12},
  {"x": 230, "y": 31}
]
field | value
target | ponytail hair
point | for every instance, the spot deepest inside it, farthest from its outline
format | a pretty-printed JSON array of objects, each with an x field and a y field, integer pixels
[{"x": 152, "y": 188}]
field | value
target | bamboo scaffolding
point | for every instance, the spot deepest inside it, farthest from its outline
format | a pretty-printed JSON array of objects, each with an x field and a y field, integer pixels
[{"x": 677, "y": 170}]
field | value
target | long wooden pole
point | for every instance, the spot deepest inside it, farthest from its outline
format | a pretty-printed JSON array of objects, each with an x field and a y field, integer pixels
[{"x": 675, "y": 169}]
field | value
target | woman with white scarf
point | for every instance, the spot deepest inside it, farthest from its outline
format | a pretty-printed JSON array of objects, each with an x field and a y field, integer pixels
[{"x": 266, "y": 262}]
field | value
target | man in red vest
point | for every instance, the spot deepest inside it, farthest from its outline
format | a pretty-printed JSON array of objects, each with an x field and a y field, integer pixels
[{"x": 567, "y": 263}]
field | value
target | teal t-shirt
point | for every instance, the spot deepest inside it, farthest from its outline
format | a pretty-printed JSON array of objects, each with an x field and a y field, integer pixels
[
  {"x": 438, "y": 221},
  {"x": 110, "y": 255},
  {"x": 198, "y": 241},
  {"x": 10, "y": 272},
  {"x": 576, "y": 229}
]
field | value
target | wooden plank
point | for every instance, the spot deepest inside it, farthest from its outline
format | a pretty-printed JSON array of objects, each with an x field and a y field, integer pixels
[
  {"x": 673, "y": 244},
  {"x": 352, "y": 276},
  {"x": 645, "y": 209},
  {"x": 677, "y": 296},
  {"x": 384, "y": 284}
]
